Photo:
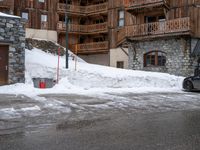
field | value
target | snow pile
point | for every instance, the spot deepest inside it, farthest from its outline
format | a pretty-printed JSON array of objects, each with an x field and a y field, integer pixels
[
  {"x": 7, "y": 15},
  {"x": 88, "y": 78}
]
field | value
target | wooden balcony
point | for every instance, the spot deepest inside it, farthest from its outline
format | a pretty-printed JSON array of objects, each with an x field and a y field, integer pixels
[
  {"x": 61, "y": 7},
  {"x": 95, "y": 9},
  {"x": 175, "y": 27},
  {"x": 136, "y": 6},
  {"x": 83, "y": 29},
  {"x": 83, "y": 10},
  {"x": 44, "y": 25},
  {"x": 4, "y": 4},
  {"x": 88, "y": 48}
]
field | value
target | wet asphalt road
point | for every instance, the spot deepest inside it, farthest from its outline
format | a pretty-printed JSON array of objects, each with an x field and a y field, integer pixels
[{"x": 114, "y": 129}]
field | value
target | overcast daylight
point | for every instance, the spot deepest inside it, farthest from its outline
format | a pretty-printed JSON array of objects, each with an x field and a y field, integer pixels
[{"x": 99, "y": 74}]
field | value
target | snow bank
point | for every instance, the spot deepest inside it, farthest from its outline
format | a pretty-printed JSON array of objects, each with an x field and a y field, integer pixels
[
  {"x": 6, "y": 15},
  {"x": 88, "y": 78}
]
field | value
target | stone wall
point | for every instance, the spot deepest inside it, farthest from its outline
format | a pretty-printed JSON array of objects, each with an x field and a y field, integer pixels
[
  {"x": 12, "y": 33},
  {"x": 177, "y": 51},
  {"x": 46, "y": 46}
]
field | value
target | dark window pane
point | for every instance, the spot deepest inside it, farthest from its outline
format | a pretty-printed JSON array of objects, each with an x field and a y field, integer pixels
[
  {"x": 120, "y": 64},
  {"x": 155, "y": 58}
]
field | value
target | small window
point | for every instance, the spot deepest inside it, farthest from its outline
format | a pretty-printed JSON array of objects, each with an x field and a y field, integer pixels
[
  {"x": 154, "y": 58},
  {"x": 25, "y": 15},
  {"x": 43, "y": 18},
  {"x": 121, "y": 18},
  {"x": 41, "y": 1},
  {"x": 120, "y": 64}
]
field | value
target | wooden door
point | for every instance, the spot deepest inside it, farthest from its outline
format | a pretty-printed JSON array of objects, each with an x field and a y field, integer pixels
[{"x": 3, "y": 64}]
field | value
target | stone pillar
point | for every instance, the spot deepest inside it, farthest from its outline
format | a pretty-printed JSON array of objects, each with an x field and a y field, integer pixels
[{"x": 12, "y": 33}]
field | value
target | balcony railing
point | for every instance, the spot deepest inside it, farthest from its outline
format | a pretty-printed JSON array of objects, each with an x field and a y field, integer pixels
[
  {"x": 90, "y": 47},
  {"x": 83, "y": 9},
  {"x": 150, "y": 30},
  {"x": 71, "y": 8},
  {"x": 4, "y": 4},
  {"x": 96, "y": 8},
  {"x": 144, "y": 3},
  {"x": 102, "y": 27}
]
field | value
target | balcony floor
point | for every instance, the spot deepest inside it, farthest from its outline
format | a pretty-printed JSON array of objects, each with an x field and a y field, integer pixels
[
  {"x": 156, "y": 36},
  {"x": 147, "y": 7}
]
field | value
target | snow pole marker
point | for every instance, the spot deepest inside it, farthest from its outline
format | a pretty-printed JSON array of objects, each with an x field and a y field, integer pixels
[
  {"x": 58, "y": 66},
  {"x": 76, "y": 49}
]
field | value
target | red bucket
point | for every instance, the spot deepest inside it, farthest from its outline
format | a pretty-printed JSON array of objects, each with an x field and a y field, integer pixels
[{"x": 42, "y": 84}]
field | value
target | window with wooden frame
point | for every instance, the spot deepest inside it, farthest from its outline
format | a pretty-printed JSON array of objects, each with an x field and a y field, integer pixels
[
  {"x": 121, "y": 18},
  {"x": 43, "y": 18},
  {"x": 25, "y": 15},
  {"x": 41, "y": 1},
  {"x": 120, "y": 64},
  {"x": 154, "y": 58},
  {"x": 44, "y": 23}
]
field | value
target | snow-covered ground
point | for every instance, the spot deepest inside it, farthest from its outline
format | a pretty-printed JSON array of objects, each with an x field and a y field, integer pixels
[
  {"x": 88, "y": 78},
  {"x": 100, "y": 87}
]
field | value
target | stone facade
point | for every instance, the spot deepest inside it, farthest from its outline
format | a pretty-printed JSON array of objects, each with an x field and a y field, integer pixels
[
  {"x": 46, "y": 46},
  {"x": 177, "y": 50},
  {"x": 12, "y": 33}
]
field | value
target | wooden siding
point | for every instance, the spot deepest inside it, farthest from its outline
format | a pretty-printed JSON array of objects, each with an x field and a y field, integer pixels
[
  {"x": 7, "y": 6},
  {"x": 136, "y": 28},
  {"x": 83, "y": 18},
  {"x": 35, "y": 9},
  {"x": 186, "y": 8}
]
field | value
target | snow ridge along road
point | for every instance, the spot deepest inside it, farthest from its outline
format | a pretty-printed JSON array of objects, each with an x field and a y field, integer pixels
[{"x": 89, "y": 78}]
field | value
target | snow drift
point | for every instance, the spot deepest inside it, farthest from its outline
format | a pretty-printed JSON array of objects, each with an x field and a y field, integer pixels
[
  {"x": 88, "y": 77},
  {"x": 41, "y": 64}
]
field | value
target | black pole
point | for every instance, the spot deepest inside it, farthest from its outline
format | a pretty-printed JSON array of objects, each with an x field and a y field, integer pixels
[{"x": 66, "y": 22}]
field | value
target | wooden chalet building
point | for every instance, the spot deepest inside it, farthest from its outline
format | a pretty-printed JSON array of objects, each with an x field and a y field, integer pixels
[
  {"x": 162, "y": 35},
  {"x": 7, "y": 6},
  {"x": 88, "y": 28},
  {"x": 156, "y": 35}
]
